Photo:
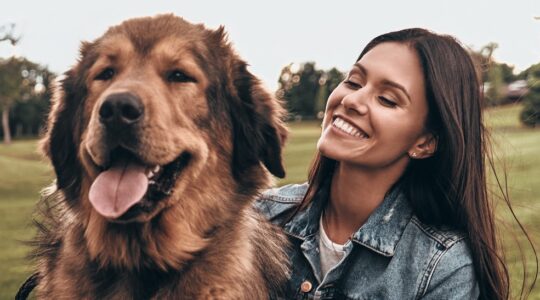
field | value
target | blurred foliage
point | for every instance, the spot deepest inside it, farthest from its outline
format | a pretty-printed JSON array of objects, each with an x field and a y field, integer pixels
[
  {"x": 24, "y": 96},
  {"x": 495, "y": 75},
  {"x": 530, "y": 115},
  {"x": 7, "y": 33},
  {"x": 305, "y": 89},
  {"x": 525, "y": 74}
]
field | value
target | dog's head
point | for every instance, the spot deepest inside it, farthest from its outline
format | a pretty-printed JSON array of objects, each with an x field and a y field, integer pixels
[{"x": 158, "y": 110}]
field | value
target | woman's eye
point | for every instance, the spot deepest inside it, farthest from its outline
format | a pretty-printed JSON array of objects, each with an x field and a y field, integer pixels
[
  {"x": 106, "y": 74},
  {"x": 351, "y": 84},
  {"x": 387, "y": 102},
  {"x": 179, "y": 76}
]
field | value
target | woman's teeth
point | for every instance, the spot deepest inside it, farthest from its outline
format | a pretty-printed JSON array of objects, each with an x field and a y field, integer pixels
[{"x": 346, "y": 127}]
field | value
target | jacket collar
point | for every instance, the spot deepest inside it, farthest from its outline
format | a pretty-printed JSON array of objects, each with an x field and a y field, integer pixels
[{"x": 381, "y": 232}]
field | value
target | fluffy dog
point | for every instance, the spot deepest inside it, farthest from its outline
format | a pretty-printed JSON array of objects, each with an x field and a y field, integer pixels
[{"x": 160, "y": 139}]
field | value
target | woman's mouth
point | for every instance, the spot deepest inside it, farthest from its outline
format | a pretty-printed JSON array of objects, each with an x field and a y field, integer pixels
[{"x": 348, "y": 128}]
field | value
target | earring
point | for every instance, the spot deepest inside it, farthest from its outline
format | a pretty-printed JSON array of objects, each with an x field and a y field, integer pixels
[{"x": 413, "y": 154}]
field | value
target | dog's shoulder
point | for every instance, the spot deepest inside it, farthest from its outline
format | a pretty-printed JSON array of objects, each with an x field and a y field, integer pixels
[{"x": 277, "y": 202}]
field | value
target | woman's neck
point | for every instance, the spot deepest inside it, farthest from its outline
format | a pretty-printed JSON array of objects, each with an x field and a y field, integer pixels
[{"x": 355, "y": 193}]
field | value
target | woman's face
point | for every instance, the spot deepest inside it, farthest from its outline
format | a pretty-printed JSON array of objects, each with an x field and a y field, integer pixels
[{"x": 375, "y": 118}]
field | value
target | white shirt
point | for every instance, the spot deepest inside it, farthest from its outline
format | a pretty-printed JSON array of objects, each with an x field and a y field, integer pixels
[{"x": 330, "y": 252}]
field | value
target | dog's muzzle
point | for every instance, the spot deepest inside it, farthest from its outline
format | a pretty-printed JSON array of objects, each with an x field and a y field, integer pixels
[{"x": 127, "y": 185}]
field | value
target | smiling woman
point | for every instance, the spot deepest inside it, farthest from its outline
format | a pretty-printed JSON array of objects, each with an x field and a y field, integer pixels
[
  {"x": 376, "y": 100},
  {"x": 396, "y": 205}
]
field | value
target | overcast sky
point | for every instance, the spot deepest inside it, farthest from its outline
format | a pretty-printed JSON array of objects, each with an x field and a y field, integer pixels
[{"x": 271, "y": 34}]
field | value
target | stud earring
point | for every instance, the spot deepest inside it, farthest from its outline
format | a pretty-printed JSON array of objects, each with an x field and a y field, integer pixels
[{"x": 413, "y": 154}]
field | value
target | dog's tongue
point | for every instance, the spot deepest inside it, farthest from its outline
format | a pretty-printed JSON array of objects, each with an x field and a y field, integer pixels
[{"x": 119, "y": 188}]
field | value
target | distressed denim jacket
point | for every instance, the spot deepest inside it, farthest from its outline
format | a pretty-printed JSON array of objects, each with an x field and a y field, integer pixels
[{"x": 392, "y": 256}]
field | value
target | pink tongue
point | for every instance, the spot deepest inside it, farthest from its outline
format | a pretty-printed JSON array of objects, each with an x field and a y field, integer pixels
[{"x": 119, "y": 188}]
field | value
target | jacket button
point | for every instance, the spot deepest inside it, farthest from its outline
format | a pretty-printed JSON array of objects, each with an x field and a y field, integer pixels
[{"x": 306, "y": 286}]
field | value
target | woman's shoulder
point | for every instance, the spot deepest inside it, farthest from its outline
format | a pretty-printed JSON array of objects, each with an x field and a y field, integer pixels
[
  {"x": 449, "y": 267},
  {"x": 275, "y": 202},
  {"x": 444, "y": 236}
]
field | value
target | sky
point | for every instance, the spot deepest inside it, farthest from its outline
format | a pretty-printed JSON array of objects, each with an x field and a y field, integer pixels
[{"x": 272, "y": 34}]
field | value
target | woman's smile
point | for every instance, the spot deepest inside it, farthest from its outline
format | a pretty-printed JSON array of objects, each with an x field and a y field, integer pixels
[
  {"x": 348, "y": 128},
  {"x": 376, "y": 116}
]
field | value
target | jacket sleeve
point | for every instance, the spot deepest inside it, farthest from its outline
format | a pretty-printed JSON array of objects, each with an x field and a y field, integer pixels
[{"x": 453, "y": 277}]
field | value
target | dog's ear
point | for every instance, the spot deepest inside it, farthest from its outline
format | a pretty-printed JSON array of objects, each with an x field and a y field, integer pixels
[
  {"x": 259, "y": 132},
  {"x": 62, "y": 136}
]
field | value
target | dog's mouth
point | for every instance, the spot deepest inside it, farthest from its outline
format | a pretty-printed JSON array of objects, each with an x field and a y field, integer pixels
[{"x": 128, "y": 187}]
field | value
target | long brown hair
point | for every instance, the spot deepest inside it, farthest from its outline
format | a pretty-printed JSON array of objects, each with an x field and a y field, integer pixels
[{"x": 450, "y": 187}]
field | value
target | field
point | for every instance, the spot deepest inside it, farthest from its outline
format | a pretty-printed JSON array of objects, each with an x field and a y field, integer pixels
[{"x": 23, "y": 173}]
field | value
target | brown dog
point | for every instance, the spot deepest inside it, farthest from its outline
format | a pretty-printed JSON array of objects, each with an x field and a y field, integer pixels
[{"x": 160, "y": 140}]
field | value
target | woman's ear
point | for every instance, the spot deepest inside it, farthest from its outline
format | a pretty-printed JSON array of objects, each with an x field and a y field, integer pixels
[{"x": 425, "y": 146}]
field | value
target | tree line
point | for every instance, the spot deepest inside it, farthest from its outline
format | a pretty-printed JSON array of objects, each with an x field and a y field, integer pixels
[
  {"x": 24, "y": 96},
  {"x": 305, "y": 88},
  {"x": 25, "y": 92},
  {"x": 25, "y": 89}
]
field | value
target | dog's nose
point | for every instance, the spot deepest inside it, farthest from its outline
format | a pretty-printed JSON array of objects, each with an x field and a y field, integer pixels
[{"x": 121, "y": 109}]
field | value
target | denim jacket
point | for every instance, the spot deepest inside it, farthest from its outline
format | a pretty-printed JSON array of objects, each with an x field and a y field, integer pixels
[{"x": 392, "y": 256}]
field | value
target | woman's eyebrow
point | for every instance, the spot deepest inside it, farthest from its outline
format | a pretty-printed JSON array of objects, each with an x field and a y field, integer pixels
[{"x": 385, "y": 82}]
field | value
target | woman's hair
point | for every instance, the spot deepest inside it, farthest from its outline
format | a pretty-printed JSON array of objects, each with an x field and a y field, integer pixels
[{"x": 450, "y": 187}]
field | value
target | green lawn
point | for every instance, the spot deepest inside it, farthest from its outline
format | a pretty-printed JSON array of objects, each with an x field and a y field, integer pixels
[{"x": 23, "y": 173}]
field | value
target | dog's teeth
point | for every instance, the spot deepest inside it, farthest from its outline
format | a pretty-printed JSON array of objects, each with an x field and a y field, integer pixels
[
  {"x": 151, "y": 182},
  {"x": 156, "y": 169}
]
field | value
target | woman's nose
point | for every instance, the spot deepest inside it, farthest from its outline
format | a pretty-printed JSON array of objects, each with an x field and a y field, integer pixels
[{"x": 356, "y": 102}]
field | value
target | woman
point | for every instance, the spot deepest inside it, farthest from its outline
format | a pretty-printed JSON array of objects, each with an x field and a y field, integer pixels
[{"x": 396, "y": 205}]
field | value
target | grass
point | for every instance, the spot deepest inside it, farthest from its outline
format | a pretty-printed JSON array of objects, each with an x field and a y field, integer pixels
[
  {"x": 516, "y": 152},
  {"x": 23, "y": 173}
]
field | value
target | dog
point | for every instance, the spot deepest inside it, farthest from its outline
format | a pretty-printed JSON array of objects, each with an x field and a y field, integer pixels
[{"x": 160, "y": 139}]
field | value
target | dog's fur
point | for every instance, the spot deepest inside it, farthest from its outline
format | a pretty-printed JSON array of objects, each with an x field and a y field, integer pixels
[{"x": 201, "y": 241}]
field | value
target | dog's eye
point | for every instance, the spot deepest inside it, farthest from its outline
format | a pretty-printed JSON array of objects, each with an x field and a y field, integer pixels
[
  {"x": 179, "y": 76},
  {"x": 106, "y": 74}
]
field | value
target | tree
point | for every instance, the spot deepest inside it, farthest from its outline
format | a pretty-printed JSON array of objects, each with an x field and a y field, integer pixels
[
  {"x": 8, "y": 84},
  {"x": 333, "y": 78},
  {"x": 530, "y": 115},
  {"x": 523, "y": 75},
  {"x": 20, "y": 81},
  {"x": 28, "y": 114},
  {"x": 298, "y": 86},
  {"x": 7, "y": 33},
  {"x": 495, "y": 75},
  {"x": 306, "y": 89},
  {"x": 507, "y": 71},
  {"x": 495, "y": 93},
  {"x": 10, "y": 80}
]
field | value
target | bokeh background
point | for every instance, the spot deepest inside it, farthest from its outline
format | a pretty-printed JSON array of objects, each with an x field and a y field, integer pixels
[{"x": 301, "y": 50}]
